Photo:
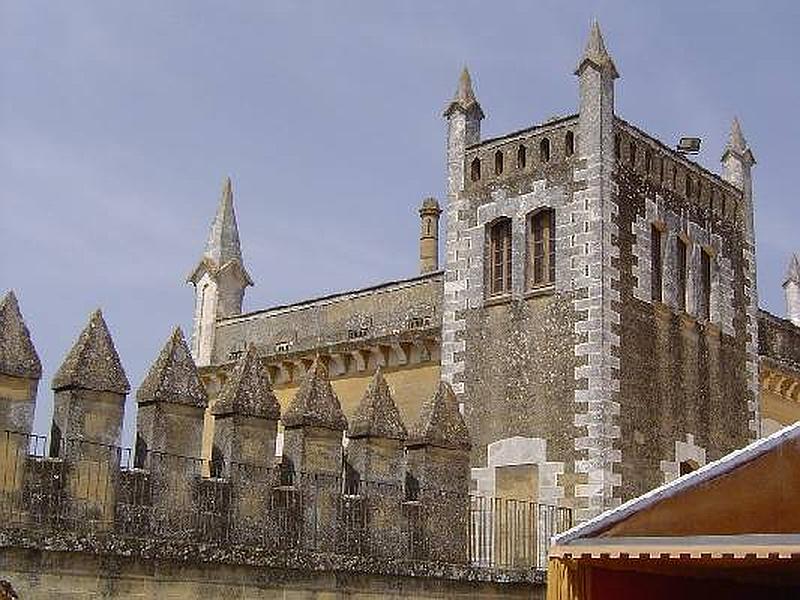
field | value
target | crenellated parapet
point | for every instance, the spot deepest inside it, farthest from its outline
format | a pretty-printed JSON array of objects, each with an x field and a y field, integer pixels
[{"x": 361, "y": 488}]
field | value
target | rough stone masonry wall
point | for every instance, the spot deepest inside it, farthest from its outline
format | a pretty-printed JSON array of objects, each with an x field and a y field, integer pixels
[
  {"x": 680, "y": 376},
  {"x": 519, "y": 354}
]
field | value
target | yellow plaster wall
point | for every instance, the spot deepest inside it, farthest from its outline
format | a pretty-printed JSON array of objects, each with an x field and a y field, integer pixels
[
  {"x": 16, "y": 388},
  {"x": 779, "y": 409}
]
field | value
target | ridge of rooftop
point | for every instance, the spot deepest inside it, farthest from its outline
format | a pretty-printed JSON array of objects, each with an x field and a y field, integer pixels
[
  {"x": 521, "y": 132},
  {"x": 677, "y": 156},
  {"x": 332, "y": 296}
]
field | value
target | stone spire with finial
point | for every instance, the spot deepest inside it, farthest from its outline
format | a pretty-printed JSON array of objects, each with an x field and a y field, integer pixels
[
  {"x": 315, "y": 404},
  {"x": 18, "y": 357},
  {"x": 248, "y": 391},
  {"x": 595, "y": 54},
  {"x": 440, "y": 422},
  {"x": 791, "y": 290},
  {"x": 377, "y": 414},
  {"x": 173, "y": 377},
  {"x": 464, "y": 98},
  {"x": 93, "y": 363}
]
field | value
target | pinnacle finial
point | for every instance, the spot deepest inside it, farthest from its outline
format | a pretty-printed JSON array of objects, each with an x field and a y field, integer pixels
[
  {"x": 464, "y": 98},
  {"x": 440, "y": 422},
  {"x": 793, "y": 270},
  {"x": 315, "y": 404},
  {"x": 173, "y": 377},
  {"x": 596, "y": 53},
  {"x": 377, "y": 414},
  {"x": 93, "y": 363},
  {"x": 248, "y": 391},
  {"x": 736, "y": 139},
  {"x": 18, "y": 357}
]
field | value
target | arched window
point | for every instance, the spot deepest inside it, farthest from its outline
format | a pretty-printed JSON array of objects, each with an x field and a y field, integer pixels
[
  {"x": 522, "y": 157},
  {"x": 475, "y": 169},
  {"x": 617, "y": 146},
  {"x": 352, "y": 480},
  {"x": 500, "y": 257},
  {"x": 569, "y": 143},
  {"x": 541, "y": 248},
  {"x": 689, "y": 187},
  {"x": 411, "y": 488},
  {"x": 661, "y": 171},
  {"x": 632, "y": 153},
  {"x": 648, "y": 162},
  {"x": 544, "y": 150},
  {"x": 498, "y": 162}
]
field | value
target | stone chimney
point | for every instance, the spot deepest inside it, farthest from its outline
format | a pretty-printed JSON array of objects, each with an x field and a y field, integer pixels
[{"x": 429, "y": 236}]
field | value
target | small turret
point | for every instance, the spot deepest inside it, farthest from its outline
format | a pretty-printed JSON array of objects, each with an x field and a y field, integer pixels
[
  {"x": 246, "y": 415},
  {"x": 20, "y": 369},
  {"x": 90, "y": 388},
  {"x": 172, "y": 402},
  {"x": 438, "y": 472},
  {"x": 737, "y": 163},
  {"x": 429, "y": 236},
  {"x": 220, "y": 277},
  {"x": 791, "y": 289}
]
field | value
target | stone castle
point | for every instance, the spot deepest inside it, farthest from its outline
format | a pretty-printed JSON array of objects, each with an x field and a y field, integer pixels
[
  {"x": 593, "y": 333},
  {"x": 597, "y": 315}
]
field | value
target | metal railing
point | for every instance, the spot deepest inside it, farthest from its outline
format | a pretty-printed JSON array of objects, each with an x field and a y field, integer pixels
[{"x": 93, "y": 488}]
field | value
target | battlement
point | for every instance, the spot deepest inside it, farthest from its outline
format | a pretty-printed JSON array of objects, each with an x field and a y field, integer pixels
[
  {"x": 372, "y": 487},
  {"x": 526, "y": 152},
  {"x": 664, "y": 168}
]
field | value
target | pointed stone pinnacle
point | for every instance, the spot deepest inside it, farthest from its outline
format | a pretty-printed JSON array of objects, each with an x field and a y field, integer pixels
[
  {"x": 248, "y": 392},
  {"x": 93, "y": 363},
  {"x": 793, "y": 271},
  {"x": 736, "y": 139},
  {"x": 440, "y": 422},
  {"x": 173, "y": 377},
  {"x": 596, "y": 53},
  {"x": 377, "y": 414},
  {"x": 18, "y": 357},
  {"x": 315, "y": 404},
  {"x": 464, "y": 98}
]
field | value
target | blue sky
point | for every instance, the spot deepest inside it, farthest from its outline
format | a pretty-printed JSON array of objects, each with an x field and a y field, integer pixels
[{"x": 119, "y": 120}]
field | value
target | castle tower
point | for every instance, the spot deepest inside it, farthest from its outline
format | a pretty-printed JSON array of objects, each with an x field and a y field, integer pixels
[
  {"x": 220, "y": 277},
  {"x": 20, "y": 369},
  {"x": 90, "y": 388},
  {"x": 791, "y": 289},
  {"x": 464, "y": 115},
  {"x": 737, "y": 164},
  {"x": 429, "y": 236},
  {"x": 597, "y": 277}
]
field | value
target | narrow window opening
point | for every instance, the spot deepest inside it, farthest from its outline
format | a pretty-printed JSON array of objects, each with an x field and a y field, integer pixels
[
  {"x": 656, "y": 278},
  {"x": 352, "y": 480},
  {"x": 632, "y": 154},
  {"x": 140, "y": 453},
  {"x": 674, "y": 177},
  {"x": 569, "y": 143},
  {"x": 648, "y": 162},
  {"x": 705, "y": 284},
  {"x": 661, "y": 171},
  {"x": 475, "y": 169},
  {"x": 522, "y": 157},
  {"x": 681, "y": 273},
  {"x": 411, "y": 488},
  {"x": 689, "y": 186},
  {"x": 542, "y": 248},
  {"x": 544, "y": 150},
  {"x": 55, "y": 441},
  {"x": 688, "y": 466},
  {"x": 617, "y": 146},
  {"x": 498, "y": 162},
  {"x": 500, "y": 259},
  {"x": 217, "y": 462},
  {"x": 286, "y": 472}
]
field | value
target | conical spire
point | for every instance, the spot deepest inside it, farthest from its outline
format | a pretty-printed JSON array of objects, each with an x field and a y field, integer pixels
[
  {"x": 377, "y": 415},
  {"x": 223, "y": 240},
  {"x": 464, "y": 98},
  {"x": 440, "y": 422},
  {"x": 315, "y": 404},
  {"x": 173, "y": 376},
  {"x": 18, "y": 357},
  {"x": 737, "y": 144},
  {"x": 93, "y": 362},
  {"x": 596, "y": 53},
  {"x": 248, "y": 391},
  {"x": 793, "y": 271}
]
